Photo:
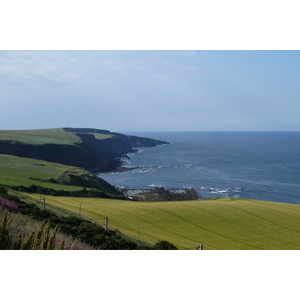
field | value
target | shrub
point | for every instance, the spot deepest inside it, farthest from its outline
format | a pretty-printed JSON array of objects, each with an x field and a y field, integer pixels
[
  {"x": 164, "y": 245},
  {"x": 2, "y": 189}
]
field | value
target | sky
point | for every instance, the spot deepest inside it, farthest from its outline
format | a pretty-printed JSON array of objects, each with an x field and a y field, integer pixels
[{"x": 150, "y": 90}]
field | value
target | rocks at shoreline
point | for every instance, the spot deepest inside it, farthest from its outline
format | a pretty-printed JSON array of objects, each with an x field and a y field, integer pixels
[{"x": 161, "y": 194}]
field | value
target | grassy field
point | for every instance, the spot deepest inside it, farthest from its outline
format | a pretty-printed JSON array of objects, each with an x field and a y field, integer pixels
[
  {"x": 45, "y": 136},
  {"x": 100, "y": 136},
  {"x": 40, "y": 136},
  {"x": 218, "y": 224},
  {"x": 17, "y": 170}
]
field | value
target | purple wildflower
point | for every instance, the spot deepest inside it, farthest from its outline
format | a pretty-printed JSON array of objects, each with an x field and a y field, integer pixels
[{"x": 10, "y": 206}]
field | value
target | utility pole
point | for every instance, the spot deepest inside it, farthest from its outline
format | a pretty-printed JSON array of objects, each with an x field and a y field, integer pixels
[{"x": 44, "y": 204}]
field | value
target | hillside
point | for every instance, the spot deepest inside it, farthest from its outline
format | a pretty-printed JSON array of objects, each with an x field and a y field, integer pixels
[
  {"x": 25, "y": 172},
  {"x": 218, "y": 224},
  {"x": 91, "y": 149}
]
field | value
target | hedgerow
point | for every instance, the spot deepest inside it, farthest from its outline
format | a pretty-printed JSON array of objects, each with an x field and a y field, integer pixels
[{"x": 84, "y": 192}]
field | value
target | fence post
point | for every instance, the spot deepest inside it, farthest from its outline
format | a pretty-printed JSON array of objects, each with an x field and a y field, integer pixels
[{"x": 106, "y": 223}]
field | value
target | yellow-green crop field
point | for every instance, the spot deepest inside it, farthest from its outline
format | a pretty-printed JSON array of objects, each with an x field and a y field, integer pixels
[{"x": 217, "y": 224}]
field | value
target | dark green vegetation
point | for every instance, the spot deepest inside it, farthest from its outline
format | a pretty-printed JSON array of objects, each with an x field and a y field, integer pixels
[
  {"x": 91, "y": 149},
  {"x": 164, "y": 245}
]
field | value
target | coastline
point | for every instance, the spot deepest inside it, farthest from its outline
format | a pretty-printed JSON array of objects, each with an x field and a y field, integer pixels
[{"x": 116, "y": 169}]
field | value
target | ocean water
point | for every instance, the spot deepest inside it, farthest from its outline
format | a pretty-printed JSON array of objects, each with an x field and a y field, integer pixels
[{"x": 257, "y": 165}]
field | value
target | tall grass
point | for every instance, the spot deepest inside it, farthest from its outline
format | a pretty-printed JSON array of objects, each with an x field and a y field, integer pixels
[{"x": 19, "y": 232}]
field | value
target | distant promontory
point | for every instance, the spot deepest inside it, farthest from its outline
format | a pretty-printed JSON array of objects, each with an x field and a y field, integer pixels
[{"x": 95, "y": 150}]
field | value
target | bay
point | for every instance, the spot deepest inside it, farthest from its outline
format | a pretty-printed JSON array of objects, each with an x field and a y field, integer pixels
[{"x": 256, "y": 165}]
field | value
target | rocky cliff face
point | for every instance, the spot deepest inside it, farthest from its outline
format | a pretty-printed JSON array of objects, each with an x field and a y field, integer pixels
[
  {"x": 135, "y": 141},
  {"x": 109, "y": 151},
  {"x": 63, "y": 154}
]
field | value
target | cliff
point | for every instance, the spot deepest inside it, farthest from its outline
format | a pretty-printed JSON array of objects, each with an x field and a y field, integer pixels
[
  {"x": 130, "y": 140},
  {"x": 91, "y": 149}
]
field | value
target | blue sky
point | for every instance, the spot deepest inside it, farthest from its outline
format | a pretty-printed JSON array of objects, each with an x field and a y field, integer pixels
[{"x": 150, "y": 90}]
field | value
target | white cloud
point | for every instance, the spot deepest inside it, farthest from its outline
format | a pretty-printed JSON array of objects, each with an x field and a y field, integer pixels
[{"x": 77, "y": 67}]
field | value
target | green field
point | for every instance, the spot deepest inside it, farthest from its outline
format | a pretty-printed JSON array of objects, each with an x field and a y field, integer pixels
[
  {"x": 101, "y": 136},
  {"x": 45, "y": 136},
  {"x": 218, "y": 224},
  {"x": 40, "y": 136},
  {"x": 16, "y": 171}
]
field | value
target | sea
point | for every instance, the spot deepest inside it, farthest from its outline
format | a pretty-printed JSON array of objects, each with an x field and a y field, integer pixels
[{"x": 255, "y": 165}]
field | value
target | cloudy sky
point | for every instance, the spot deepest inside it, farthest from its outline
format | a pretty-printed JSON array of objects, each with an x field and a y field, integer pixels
[{"x": 150, "y": 90}]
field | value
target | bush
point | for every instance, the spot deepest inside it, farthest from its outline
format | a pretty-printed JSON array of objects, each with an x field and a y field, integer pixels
[
  {"x": 95, "y": 193},
  {"x": 164, "y": 245},
  {"x": 2, "y": 189}
]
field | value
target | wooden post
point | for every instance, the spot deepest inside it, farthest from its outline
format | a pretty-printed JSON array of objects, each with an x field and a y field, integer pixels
[
  {"x": 80, "y": 209},
  {"x": 106, "y": 223},
  {"x": 44, "y": 205}
]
